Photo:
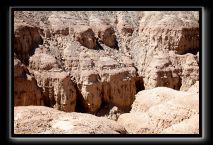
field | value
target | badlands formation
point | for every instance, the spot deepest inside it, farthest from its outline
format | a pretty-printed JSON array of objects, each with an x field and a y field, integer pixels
[{"x": 106, "y": 72}]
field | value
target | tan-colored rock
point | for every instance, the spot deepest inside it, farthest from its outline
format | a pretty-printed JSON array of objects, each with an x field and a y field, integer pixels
[
  {"x": 26, "y": 39},
  {"x": 102, "y": 78},
  {"x": 104, "y": 31},
  {"x": 58, "y": 89},
  {"x": 194, "y": 88},
  {"x": 58, "y": 24},
  {"x": 119, "y": 87},
  {"x": 124, "y": 26},
  {"x": 91, "y": 90},
  {"x": 152, "y": 49},
  {"x": 171, "y": 31},
  {"x": 86, "y": 36},
  {"x": 161, "y": 72},
  {"x": 166, "y": 34},
  {"x": 42, "y": 61},
  {"x": 157, "y": 109},
  {"x": 26, "y": 91},
  {"x": 27, "y": 120},
  {"x": 145, "y": 99},
  {"x": 188, "y": 126},
  {"x": 136, "y": 123},
  {"x": 190, "y": 71}
]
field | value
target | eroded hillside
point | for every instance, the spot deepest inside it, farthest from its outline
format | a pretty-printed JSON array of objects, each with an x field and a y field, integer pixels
[{"x": 132, "y": 67}]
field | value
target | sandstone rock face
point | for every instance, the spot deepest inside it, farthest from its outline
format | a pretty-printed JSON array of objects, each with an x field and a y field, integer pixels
[
  {"x": 58, "y": 89},
  {"x": 85, "y": 36},
  {"x": 166, "y": 35},
  {"x": 26, "y": 91},
  {"x": 99, "y": 62},
  {"x": 163, "y": 110},
  {"x": 26, "y": 39},
  {"x": 161, "y": 72},
  {"x": 103, "y": 79},
  {"x": 104, "y": 31},
  {"x": 42, "y": 61},
  {"x": 27, "y": 120}
]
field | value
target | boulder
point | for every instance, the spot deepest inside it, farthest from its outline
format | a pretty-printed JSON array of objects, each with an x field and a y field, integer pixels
[
  {"x": 188, "y": 126},
  {"x": 146, "y": 99},
  {"x": 162, "y": 110}
]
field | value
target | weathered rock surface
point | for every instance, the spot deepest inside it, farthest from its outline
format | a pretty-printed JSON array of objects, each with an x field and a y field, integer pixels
[
  {"x": 168, "y": 36},
  {"x": 26, "y": 91},
  {"x": 58, "y": 89},
  {"x": 161, "y": 110},
  {"x": 58, "y": 24},
  {"x": 85, "y": 36},
  {"x": 97, "y": 61},
  {"x": 97, "y": 71},
  {"x": 26, "y": 39},
  {"x": 194, "y": 88},
  {"x": 188, "y": 126},
  {"x": 44, "y": 120},
  {"x": 104, "y": 31}
]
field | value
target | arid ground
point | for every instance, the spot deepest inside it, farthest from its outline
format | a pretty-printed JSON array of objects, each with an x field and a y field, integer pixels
[{"x": 106, "y": 72}]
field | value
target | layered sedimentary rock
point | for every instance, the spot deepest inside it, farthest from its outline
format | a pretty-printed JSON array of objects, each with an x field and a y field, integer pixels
[
  {"x": 44, "y": 120},
  {"x": 96, "y": 62},
  {"x": 102, "y": 79},
  {"x": 58, "y": 89},
  {"x": 26, "y": 91},
  {"x": 166, "y": 35}
]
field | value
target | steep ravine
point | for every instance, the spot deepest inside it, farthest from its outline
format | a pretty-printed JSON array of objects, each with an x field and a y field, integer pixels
[{"x": 99, "y": 62}]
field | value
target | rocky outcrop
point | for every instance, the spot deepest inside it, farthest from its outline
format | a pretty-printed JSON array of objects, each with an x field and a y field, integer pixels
[
  {"x": 101, "y": 78},
  {"x": 104, "y": 31},
  {"x": 42, "y": 61},
  {"x": 161, "y": 72},
  {"x": 168, "y": 36},
  {"x": 26, "y": 91},
  {"x": 173, "y": 31},
  {"x": 44, "y": 120},
  {"x": 85, "y": 36},
  {"x": 26, "y": 39},
  {"x": 58, "y": 89},
  {"x": 190, "y": 71},
  {"x": 99, "y": 62},
  {"x": 161, "y": 110},
  {"x": 58, "y": 24},
  {"x": 148, "y": 98}
]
